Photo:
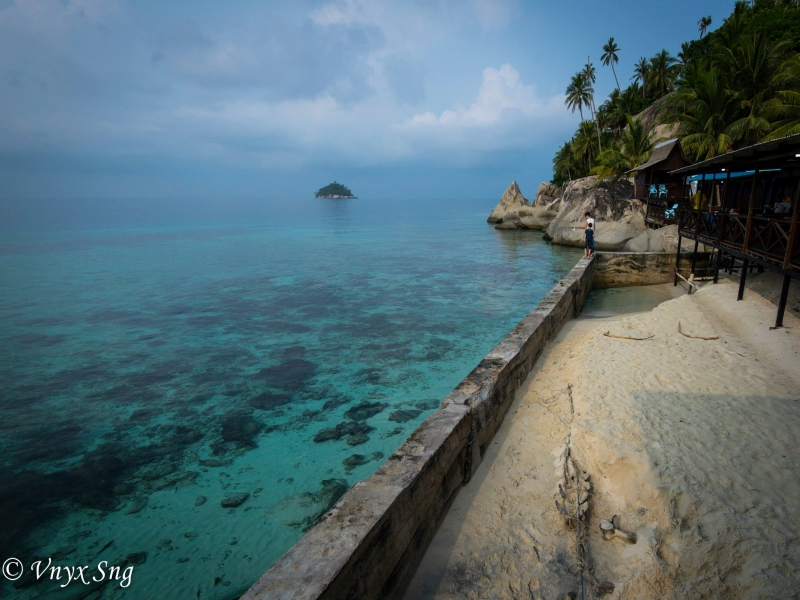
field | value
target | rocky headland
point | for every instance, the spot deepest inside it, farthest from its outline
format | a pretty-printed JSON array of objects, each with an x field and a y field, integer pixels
[{"x": 559, "y": 211}]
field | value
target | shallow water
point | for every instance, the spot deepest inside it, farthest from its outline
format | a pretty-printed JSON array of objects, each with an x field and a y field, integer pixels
[{"x": 157, "y": 358}]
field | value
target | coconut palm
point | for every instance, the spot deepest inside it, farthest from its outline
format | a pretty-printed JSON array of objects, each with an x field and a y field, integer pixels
[
  {"x": 641, "y": 72},
  {"x": 703, "y": 24},
  {"x": 705, "y": 110},
  {"x": 757, "y": 74},
  {"x": 663, "y": 72},
  {"x": 589, "y": 74},
  {"x": 564, "y": 163},
  {"x": 609, "y": 56},
  {"x": 578, "y": 93},
  {"x": 584, "y": 142},
  {"x": 784, "y": 109},
  {"x": 633, "y": 148}
]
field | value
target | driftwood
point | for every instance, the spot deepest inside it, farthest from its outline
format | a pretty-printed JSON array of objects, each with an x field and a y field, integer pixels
[
  {"x": 612, "y": 529},
  {"x": 695, "y": 337},
  {"x": 627, "y": 337}
]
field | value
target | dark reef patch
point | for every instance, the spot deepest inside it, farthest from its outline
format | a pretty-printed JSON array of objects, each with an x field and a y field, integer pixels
[
  {"x": 267, "y": 401},
  {"x": 401, "y": 416},
  {"x": 240, "y": 428},
  {"x": 356, "y": 460},
  {"x": 364, "y": 410},
  {"x": 354, "y": 429}
]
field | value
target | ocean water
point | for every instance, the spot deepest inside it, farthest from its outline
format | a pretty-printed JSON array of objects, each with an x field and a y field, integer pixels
[{"x": 186, "y": 386}]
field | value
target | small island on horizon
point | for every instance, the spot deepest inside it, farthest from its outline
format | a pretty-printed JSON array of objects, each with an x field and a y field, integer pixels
[{"x": 334, "y": 190}]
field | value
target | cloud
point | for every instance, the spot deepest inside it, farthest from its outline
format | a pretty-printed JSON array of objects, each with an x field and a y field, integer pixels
[
  {"x": 502, "y": 96},
  {"x": 495, "y": 14}
]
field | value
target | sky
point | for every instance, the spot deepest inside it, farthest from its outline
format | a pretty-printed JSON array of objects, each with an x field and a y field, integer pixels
[{"x": 439, "y": 99}]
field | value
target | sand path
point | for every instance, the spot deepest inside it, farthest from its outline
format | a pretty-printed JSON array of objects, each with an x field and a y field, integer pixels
[{"x": 694, "y": 443}]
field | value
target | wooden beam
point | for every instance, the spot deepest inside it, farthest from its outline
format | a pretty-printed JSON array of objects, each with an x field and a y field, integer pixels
[
  {"x": 787, "y": 279},
  {"x": 694, "y": 257},
  {"x": 787, "y": 259},
  {"x": 678, "y": 256},
  {"x": 745, "y": 266},
  {"x": 717, "y": 264},
  {"x": 749, "y": 228}
]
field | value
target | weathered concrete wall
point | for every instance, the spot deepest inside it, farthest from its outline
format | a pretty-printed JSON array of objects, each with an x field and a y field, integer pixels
[
  {"x": 624, "y": 269},
  {"x": 370, "y": 543}
]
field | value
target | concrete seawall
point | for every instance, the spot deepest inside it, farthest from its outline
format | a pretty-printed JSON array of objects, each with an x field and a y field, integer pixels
[
  {"x": 372, "y": 540},
  {"x": 624, "y": 269}
]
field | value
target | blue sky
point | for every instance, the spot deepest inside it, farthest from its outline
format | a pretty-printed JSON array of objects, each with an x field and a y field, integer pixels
[{"x": 424, "y": 99}]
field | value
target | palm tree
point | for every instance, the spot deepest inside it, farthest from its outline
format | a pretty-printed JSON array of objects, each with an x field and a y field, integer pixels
[
  {"x": 589, "y": 74},
  {"x": 703, "y": 24},
  {"x": 641, "y": 72},
  {"x": 578, "y": 93},
  {"x": 564, "y": 163},
  {"x": 705, "y": 110},
  {"x": 763, "y": 83},
  {"x": 634, "y": 147},
  {"x": 610, "y": 57},
  {"x": 583, "y": 144},
  {"x": 784, "y": 109},
  {"x": 663, "y": 72}
]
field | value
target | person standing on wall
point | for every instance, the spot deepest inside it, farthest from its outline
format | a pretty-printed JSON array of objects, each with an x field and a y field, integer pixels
[
  {"x": 588, "y": 246},
  {"x": 589, "y": 221}
]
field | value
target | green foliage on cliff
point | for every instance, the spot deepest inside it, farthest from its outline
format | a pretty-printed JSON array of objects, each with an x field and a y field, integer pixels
[
  {"x": 732, "y": 87},
  {"x": 334, "y": 189}
]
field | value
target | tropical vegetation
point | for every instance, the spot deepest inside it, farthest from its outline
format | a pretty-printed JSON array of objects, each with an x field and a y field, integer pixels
[
  {"x": 731, "y": 87},
  {"x": 334, "y": 189}
]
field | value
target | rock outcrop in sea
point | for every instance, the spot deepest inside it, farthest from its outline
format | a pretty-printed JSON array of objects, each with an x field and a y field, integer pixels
[{"x": 559, "y": 211}]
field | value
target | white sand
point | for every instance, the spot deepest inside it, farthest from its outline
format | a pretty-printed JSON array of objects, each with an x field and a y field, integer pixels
[{"x": 694, "y": 443}]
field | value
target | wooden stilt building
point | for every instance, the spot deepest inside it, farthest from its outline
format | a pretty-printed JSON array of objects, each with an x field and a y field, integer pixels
[{"x": 755, "y": 219}]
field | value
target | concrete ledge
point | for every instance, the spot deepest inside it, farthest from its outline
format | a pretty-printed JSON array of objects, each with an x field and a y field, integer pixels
[
  {"x": 624, "y": 269},
  {"x": 370, "y": 543}
]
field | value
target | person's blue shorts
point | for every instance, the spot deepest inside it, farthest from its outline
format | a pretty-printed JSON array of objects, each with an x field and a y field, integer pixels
[{"x": 589, "y": 245}]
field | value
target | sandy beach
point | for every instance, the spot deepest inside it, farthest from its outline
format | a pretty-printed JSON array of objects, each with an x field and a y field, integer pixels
[{"x": 692, "y": 442}]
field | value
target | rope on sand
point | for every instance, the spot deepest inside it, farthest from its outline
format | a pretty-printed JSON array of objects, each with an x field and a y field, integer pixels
[
  {"x": 627, "y": 337},
  {"x": 695, "y": 337}
]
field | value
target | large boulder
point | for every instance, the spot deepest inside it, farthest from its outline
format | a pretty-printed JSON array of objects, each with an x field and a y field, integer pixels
[
  {"x": 546, "y": 194},
  {"x": 661, "y": 240},
  {"x": 515, "y": 212},
  {"x": 617, "y": 217},
  {"x": 510, "y": 202}
]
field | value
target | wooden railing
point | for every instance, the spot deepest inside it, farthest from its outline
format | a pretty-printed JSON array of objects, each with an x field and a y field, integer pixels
[
  {"x": 657, "y": 211},
  {"x": 769, "y": 236}
]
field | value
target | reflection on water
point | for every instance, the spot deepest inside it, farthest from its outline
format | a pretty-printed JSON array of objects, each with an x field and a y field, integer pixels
[{"x": 188, "y": 394}]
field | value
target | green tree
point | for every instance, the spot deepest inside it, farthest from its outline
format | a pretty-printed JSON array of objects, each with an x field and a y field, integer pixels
[
  {"x": 584, "y": 143},
  {"x": 633, "y": 148},
  {"x": 641, "y": 72},
  {"x": 756, "y": 72},
  {"x": 589, "y": 74},
  {"x": 664, "y": 71},
  {"x": 609, "y": 56},
  {"x": 578, "y": 93},
  {"x": 565, "y": 165},
  {"x": 703, "y": 24},
  {"x": 705, "y": 110}
]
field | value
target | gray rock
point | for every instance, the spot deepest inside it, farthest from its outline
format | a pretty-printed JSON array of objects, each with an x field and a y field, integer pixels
[
  {"x": 511, "y": 200},
  {"x": 618, "y": 218},
  {"x": 234, "y": 500}
]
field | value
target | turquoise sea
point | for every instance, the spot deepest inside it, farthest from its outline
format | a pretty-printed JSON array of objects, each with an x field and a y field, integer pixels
[{"x": 186, "y": 385}]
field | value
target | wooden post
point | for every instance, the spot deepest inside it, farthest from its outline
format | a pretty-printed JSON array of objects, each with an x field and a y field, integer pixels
[
  {"x": 694, "y": 257},
  {"x": 745, "y": 265},
  {"x": 787, "y": 280},
  {"x": 717, "y": 264},
  {"x": 787, "y": 259},
  {"x": 748, "y": 231},
  {"x": 678, "y": 256}
]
